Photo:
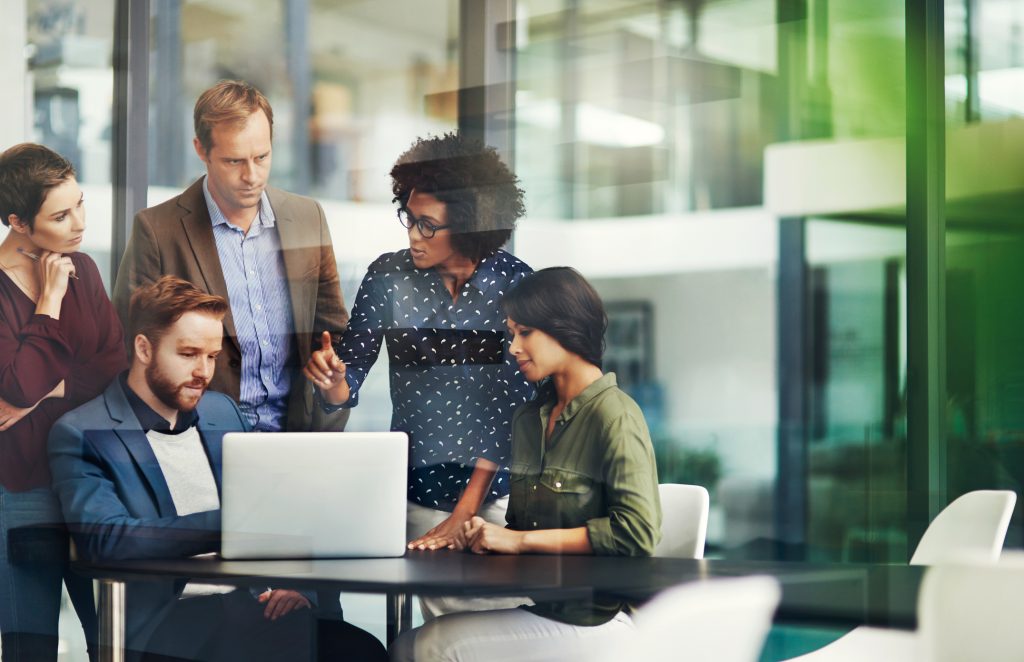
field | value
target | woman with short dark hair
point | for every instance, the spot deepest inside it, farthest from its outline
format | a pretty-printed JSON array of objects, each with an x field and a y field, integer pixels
[
  {"x": 454, "y": 385},
  {"x": 60, "y": 345},
  {"x": 583, "y": 482}
]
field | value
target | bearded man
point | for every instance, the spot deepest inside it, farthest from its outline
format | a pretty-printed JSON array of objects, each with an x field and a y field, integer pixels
[{"x": 138, "y": 474}]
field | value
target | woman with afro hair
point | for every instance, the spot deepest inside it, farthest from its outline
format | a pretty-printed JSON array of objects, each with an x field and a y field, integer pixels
[{"x": 436, "y": 304}]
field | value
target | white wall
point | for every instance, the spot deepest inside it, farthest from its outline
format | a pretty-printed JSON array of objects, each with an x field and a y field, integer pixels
[{"x": 715, "y": 358}]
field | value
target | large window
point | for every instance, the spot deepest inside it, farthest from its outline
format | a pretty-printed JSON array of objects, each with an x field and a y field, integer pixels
[
  {"x": 663, "y": 147},
  {"x": 731, "y": 174},
  {"x": 984, "y": 249},
  {"x": 58, "y": 77}
]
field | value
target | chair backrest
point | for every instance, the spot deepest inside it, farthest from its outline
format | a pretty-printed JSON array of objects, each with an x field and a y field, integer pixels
[
  {"x": 717, "y": 620},
  {"x": 684, "y": 521},
  {"x": 973, "y": 526},
  {"x": 972, "y": 612}
]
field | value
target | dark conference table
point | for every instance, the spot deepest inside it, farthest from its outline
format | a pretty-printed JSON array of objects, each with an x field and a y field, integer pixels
[{"x": 812, "y": 593}]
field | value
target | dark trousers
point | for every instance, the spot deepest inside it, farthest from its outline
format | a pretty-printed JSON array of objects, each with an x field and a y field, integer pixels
[
  {"x": 33, "y": 562},
  {"x": 232, "y": 628}
]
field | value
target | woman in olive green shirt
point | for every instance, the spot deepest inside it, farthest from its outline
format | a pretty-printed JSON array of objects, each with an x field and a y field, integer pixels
[{"x": 583, "y": 481}]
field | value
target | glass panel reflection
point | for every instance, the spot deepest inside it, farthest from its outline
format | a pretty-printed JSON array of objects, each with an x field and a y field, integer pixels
[
  {"x": 69, "y": 48},
  {"x": 662, "y": 146}
]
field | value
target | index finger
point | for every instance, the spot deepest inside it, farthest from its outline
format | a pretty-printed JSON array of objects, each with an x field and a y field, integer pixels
[
  {"x": 325, "y": 340},
  {"x": 437, "y": 542}
]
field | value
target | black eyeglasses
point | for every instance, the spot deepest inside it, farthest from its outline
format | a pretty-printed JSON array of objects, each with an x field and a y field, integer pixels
[{"x": 426, "y": 228}]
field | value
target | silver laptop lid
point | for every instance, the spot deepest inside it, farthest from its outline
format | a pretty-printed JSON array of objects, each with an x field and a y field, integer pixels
[{"x": 313, "y": 494}]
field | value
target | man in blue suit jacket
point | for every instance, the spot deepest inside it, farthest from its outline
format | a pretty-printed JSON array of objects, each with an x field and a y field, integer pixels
[{"x": 138, "y": 473}]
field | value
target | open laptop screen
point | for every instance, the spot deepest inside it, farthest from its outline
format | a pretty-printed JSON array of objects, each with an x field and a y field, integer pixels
[{"x": 313, "y": 494}]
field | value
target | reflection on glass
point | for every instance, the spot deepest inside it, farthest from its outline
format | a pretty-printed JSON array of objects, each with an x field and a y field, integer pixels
[
  {"x": 984, "y": 249},
  {"x": 352, "y": 85},
  {"x": 660, "y": 144},
  {"x": 69, "y": 49}
]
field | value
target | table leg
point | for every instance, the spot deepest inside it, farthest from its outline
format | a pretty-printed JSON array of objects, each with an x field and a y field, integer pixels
[
  {"x": 399, "y": 607},
  {"x": 111, "y": 616}
]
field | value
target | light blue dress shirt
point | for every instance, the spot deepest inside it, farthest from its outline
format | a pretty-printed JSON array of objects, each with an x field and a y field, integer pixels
[{"x": 254, "y": 272}]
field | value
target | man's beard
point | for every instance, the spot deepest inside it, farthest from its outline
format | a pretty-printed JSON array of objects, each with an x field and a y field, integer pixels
[{"x": 172, "y": 394}]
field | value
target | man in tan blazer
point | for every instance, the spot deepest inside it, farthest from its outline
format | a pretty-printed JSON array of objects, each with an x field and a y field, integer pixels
[{"x": 268, "y": 252}]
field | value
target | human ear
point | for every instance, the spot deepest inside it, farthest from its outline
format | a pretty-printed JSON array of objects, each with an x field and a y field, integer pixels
[
  {"x": 200, "y": 150},
  {"x": 16, "y": 224},
  {"x": 143, "y": 349}
]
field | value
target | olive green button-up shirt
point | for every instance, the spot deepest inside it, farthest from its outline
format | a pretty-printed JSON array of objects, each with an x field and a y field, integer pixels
[{"x": 597, "y": 470}]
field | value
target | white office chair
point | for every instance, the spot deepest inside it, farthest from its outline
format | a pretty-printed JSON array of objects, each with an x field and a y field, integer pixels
[
  {"x": 684, "y": 521},
  {"x": 972, "y": 612},
  {"x": 973, "y": 527},
  {"x": 718, "y": 620}
]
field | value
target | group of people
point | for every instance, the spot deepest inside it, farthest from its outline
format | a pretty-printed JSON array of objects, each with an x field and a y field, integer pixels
[{"x": 227, "y": 315}]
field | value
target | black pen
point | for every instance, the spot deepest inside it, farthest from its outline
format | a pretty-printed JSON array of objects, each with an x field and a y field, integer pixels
[{"x": 35, "y": 258}]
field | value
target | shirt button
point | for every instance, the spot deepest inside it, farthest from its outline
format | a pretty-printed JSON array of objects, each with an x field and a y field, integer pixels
[
  {"x": 557, "y": 484},
  {"x": 252, "y": 272},
  {"x": 535, "y": 524},
  {"x": 259, "y": 307},
  {"x": 535, "y": 487},
  {"x": 454, "y": 325}
]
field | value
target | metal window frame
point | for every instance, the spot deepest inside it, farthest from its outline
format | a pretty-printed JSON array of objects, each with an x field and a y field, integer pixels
[
  {"x": 927, "y": 452},
  {"x": 130, "y": 155}
]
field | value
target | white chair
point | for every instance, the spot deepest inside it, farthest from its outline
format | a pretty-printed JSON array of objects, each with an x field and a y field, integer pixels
[
  {"x": 973, "y": 527},
  {"x": 684, "y": 521},
  {"x": 972, "y": 612},
  {"x": 718, "y": 620}
]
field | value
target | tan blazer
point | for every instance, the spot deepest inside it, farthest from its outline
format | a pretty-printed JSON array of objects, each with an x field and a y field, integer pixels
[{"x": 176, "y": 237}]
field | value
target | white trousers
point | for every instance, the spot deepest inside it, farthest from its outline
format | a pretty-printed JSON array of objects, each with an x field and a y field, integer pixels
[
  {"x": 419, "y": 520},
  {"x": 506, "y": 634}
]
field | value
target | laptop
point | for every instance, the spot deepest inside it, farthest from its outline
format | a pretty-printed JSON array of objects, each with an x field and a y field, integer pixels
[{"x": 313, "y": 494}]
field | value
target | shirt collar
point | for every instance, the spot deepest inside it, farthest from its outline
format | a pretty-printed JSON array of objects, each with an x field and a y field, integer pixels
[
  {"x": 599, "y": 386},
  {"x": 265, "y": 217},
  {"x": 149, "y": 419},
  {"x": 485, "y": 276},
  {"x": 487, "y": 273}
]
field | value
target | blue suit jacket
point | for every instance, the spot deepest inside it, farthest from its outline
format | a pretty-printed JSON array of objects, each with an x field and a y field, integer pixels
[{"x": 115, "y": 499}]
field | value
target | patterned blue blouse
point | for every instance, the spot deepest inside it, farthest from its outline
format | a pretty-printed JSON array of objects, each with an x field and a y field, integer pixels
[{"x": 454, "y": 386}]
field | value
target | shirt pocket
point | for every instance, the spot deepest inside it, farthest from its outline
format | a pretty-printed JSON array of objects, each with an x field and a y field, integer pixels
[{"x": 574, "y": 496}]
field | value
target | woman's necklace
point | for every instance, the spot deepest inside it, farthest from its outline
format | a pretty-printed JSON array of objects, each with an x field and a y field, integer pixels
[{"x": 31, "y": 292}]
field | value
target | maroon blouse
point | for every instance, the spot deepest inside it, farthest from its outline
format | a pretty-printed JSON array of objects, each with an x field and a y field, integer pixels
[{"x": 85, "y": 348}]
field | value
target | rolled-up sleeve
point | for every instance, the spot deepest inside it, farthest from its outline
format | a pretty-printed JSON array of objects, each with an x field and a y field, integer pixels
[{"x": 632, "y": 526}]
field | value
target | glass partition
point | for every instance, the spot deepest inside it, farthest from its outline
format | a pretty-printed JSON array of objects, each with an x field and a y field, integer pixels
[
  {"x": 730, "y": 174},
  {"x": 984, "y": 250},
  {"x": 57, "y": 65},
  {"x": 352, "y": 85},
  {"x": 662, "y": 147},
  {"x": 55, "y": 68}
]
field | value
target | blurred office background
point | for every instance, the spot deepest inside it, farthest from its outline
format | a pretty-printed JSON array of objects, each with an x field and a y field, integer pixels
[{"x": 731, "y": 174}]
